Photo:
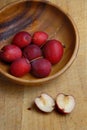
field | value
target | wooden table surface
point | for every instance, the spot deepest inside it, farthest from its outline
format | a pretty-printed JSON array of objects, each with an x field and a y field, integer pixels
[{"x": 16, "y": 99}]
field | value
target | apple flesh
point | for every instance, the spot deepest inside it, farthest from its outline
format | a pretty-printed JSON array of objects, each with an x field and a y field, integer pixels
[
  {"x": 65, "y": 103},
  {"x": 45, "y": 103}
]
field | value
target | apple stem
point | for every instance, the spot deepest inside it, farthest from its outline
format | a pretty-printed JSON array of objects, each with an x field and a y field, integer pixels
[{"x": 64, "y": 46}]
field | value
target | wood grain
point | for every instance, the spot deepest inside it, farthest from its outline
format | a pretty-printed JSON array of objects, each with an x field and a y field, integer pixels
[{"x": 15, "y": 99}]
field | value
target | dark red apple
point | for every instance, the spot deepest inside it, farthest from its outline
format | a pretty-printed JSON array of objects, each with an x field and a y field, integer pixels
[
  {"x": 32, "y": 51},
  {"x": 40, "y": 67}
]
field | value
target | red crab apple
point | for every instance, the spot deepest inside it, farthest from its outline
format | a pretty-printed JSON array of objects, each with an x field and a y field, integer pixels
[
  {"x": 32, "y": 51},
  {"x": 53, "y": 51},
  {"x": 39, "y": 38},
  {"x": 22, "y": 39},
  {"x": 10, "y": 53},
  {"x": 65, "y": 103},
  {"x": 40, "y": 67},
  {"x": 45, "y": 103},
  {"x": 20, "y": 67}
]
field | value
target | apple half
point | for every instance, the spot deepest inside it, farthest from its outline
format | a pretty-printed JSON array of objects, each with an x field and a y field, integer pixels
[
  {"x": 65, "y": 103},
  {"x": 45, "y": 103}
]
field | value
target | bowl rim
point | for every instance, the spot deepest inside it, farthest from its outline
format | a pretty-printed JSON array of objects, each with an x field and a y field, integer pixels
[{"x": 68, "y": 64}]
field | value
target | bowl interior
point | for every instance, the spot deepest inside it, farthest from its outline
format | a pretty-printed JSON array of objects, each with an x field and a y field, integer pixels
[{"x": 32, "y": 16}]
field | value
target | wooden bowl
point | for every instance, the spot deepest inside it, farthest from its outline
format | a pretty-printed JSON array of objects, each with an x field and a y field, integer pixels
[{"x": 43, "y": 16}]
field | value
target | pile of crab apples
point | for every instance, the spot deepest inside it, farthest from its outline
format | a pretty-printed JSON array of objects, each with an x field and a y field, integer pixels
[{"x": 35, "y": 54}]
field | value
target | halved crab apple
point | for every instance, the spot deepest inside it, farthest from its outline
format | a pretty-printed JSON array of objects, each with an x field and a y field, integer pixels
[
  {"x": 45, "y": 103},
  {"x": 65, "y": 103}
]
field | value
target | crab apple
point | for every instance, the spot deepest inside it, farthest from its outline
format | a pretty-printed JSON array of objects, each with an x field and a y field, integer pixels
[
  {"x": 10, "y": 53},
  {"x": 20, "y": 67},
  {"x": 39, "y": 38},
  {"x": 53, "y": 51},
  {"x": 40, "y": 67},
  {"x": 22, "y": 39},
  {"x": 32, "y": 51}
]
